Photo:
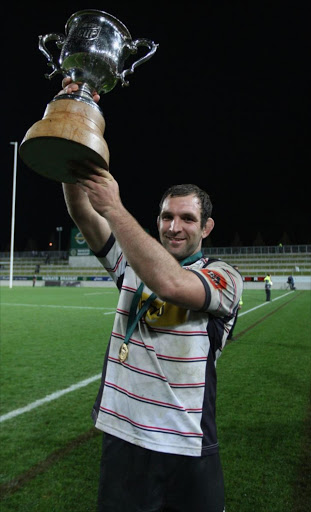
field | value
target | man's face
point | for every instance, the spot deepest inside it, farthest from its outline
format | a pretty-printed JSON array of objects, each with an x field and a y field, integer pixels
[{"x": 179, "y": 225}]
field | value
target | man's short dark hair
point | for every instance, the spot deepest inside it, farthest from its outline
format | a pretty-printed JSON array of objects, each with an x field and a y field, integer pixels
[{"x": 187, "y": 190}]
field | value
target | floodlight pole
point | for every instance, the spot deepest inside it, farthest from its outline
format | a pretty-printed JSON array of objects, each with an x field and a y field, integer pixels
[
  {"x": 59, "y": 229},
  {"x": 13, "y": 213}
]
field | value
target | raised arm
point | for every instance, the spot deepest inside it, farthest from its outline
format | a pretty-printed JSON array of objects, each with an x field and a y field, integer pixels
[
  {"x": 155, "y": 266},
  {"x": 92, "y": 225}
]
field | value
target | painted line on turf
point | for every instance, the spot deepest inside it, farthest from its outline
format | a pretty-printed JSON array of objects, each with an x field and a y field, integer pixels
[
  {"x": 48, "y": 398},
  {"x": 263, "y": 318},
  {"x": 85, "y": 382},
  {"x": 58, "y": 306},
  {"x": 264, "y": 304}
]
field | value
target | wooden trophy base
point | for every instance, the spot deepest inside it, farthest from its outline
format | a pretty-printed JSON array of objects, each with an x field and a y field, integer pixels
[{"x": 71, "y": 130}]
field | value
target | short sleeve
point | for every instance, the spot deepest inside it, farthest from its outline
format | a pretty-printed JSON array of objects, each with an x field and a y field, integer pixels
[{"x": 223, "y": 285}]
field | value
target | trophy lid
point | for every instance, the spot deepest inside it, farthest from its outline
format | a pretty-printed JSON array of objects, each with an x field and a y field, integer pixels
[{"x": 102, "y": 16}]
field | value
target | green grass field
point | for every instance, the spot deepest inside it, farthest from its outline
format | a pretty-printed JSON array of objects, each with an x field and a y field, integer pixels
[{"x": 53, "y": 342}]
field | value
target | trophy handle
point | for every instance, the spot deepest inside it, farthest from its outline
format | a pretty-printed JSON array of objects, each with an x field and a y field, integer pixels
[
  {"x": 60, "y": 39},
  {"x": 133, "y": 47}
]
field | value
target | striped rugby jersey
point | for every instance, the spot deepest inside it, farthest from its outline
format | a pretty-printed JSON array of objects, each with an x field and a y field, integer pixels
[{"x": 163, "y": 396}]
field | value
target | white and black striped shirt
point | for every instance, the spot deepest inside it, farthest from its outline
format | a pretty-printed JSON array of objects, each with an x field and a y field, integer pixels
[{"x": 163, "y": 396}]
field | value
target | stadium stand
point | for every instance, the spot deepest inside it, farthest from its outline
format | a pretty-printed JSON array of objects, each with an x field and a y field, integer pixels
[
  {"x": 277, "y": 264},
  {"x": 254, "y": 262}
]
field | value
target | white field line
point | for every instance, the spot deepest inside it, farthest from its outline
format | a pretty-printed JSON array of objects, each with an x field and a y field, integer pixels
[
  {"x": 48, "y": 398},
  {"x": 85, "y": 382},
  {"x": 264, "y": 304}
]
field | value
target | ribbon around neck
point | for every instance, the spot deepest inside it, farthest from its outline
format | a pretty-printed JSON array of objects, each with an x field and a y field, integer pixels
[{"x": 135, "y": 317}]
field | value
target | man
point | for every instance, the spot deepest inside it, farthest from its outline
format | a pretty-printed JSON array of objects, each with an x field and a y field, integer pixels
[
  {"x": 156, "y": 403},
  {"x": 268, "y": 285},
  {"x": 291, "y": 283}
]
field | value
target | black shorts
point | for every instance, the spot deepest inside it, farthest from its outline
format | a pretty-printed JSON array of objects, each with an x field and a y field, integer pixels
[{"x": 134, "y": 479}]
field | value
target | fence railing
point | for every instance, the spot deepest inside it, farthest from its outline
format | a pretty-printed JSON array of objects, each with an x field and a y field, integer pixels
[
  {"x": 61, "y": 255},
  {"x": 218, "y": 251},
  {"x": 266, "y": 249}
]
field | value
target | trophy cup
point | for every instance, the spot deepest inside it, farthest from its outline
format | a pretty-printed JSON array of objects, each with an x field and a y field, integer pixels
[{"x": 93, "y": 54}]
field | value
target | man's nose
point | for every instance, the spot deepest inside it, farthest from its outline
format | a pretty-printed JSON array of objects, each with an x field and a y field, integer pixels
[{"x": 175, "y": 225}]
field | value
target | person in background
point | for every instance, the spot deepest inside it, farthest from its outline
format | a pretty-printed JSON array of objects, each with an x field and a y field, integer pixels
[
  {"x": 268, "y": 285},
  {"x": 291, "y": 283},
  {"x": 230, "y": 335}
]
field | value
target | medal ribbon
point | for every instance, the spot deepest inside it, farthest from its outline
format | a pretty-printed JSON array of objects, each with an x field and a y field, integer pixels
[{"x": 135, "y": 317}]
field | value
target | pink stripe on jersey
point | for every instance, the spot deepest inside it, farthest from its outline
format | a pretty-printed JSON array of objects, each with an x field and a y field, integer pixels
[
  {"x": 151, "y": 427},
  {"x": 143, "y": 398},
  {"x": 128, "y": 288},
  {"x": 115, "y": 268},
  {"x": 122, "y": 311},
  {"x": 150, "y": 400},
  {"x": 179, "y": 333},
  {"x": 181, "y": 359},
  {"x": 136, "y": 369},
  {"x": 189, "y": 385}
]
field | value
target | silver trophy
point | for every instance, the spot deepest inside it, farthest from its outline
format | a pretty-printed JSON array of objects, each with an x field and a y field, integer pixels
[{"x": 93, "y": 54}]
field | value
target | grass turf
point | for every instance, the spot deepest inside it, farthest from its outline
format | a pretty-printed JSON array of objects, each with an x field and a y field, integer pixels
[{"x": 52, "y": 338}]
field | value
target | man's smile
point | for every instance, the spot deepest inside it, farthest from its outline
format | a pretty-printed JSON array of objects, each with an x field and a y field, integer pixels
[{"x": 175, "y": 239}]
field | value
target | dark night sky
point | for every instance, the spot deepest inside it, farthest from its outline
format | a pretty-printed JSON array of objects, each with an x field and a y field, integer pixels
[{"x": 223, "y": 103}]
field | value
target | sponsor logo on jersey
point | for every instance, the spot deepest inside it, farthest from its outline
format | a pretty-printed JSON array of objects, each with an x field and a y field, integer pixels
[{"x": 216, "y": 279}]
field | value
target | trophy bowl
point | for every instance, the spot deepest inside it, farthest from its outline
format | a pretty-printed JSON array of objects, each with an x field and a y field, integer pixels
[{"x": 93, "y": 53}]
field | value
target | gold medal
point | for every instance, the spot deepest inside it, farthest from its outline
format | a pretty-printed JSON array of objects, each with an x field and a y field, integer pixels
[{"x": 123, "y": 352}]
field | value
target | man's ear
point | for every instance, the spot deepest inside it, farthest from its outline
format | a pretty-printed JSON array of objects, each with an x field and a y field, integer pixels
[{"x": 208, "y": 227}]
